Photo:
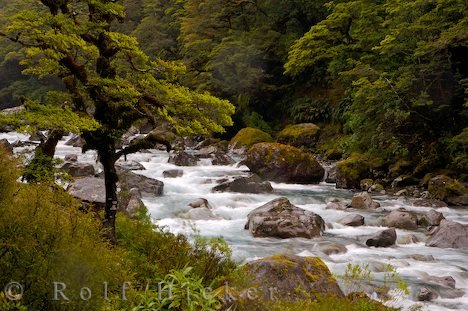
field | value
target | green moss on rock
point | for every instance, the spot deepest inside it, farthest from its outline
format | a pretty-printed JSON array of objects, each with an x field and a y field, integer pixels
[
  {"x": 443, "y": 187},
  {"x": 299, "y": 135},
  {"x": 355, "y": 168},
  {"x": 249, "y": 136}
]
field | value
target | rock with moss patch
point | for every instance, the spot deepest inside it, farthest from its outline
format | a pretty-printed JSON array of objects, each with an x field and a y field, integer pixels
[
  {"x": 281, "y": 219},
  {"x": 352, "y": 170},
  {"x": 447, "y": 189},
  {"x": 247, "y": 137},
  {"x": 283, "y": 163},
  {"x": 5, "y": 144},
  {"x": 304, "y": 135},
  {"x": 289, "y": 277}
]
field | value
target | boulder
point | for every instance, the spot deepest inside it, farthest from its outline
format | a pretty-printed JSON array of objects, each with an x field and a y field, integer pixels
[
  {"x": 330, "y": 174},
  {"x": 431, "y": 218},
  {"x": 281, "y": 219},
  {"x": 220, "y": 158},
  {"x": 201, "y": 213},
  {"x": 131, "y": 204},
  {"x": 363, "y": 200},
  {"x": 252, "y": 184},
  {"x": 353, "y": 220},
  {"x": 90, "y": 190},
  {"x": 383, "y": 238},
  {"x": 182, "y": 158},
  {"x": 6, "y": 145},
  {"x": 200, "y": 203},
  {"x": 443, "y": 187},
  {"x": 401, "y": 219},
  {"x": 351, "y": 171},
  {"x": 173, "y": 173},
  {"x": 129, "y": 180},
  {"x": 37, "y": 137},
  {"x": 340, "y": 206},
  {"x": 76, "y": 169},
  {"x": 247, "y": 137},
  {"x": 71, "y": 158},
  {"x": 426, "y": 294},
  {"x": 333, "y": 248},
  {"x": 404, "y": 181},
  {"x": 444, "y": 281},
  {"x": 429, "y": 203},
  {"x": 460, "y": 200},
  {"x": 283, "y": 163},
  {"x": 130, "y": 165},
  {"x": 366, "y": 184},
  {"x": 75, "y": 141},
  {"x": 299, "y": 135},
  {"x": 449, "y": 234},
  {"x": 289, "y": 277}
]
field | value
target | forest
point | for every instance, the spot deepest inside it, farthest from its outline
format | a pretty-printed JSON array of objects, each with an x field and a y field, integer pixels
[{"x": 370, "y": 95}]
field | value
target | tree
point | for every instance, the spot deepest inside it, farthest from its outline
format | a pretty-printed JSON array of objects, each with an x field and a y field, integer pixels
[{"x": 109, "y": 80}]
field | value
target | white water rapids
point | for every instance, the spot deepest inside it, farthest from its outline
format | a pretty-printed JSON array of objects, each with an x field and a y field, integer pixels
[{"x": 197, "y": 182}]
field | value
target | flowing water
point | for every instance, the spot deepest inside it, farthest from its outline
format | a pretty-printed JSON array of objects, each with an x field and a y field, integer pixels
[{"x": 232, "y": 210}]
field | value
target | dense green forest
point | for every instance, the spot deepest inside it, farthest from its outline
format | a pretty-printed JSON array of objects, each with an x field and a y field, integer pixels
[{"x": 386, "y": 79}]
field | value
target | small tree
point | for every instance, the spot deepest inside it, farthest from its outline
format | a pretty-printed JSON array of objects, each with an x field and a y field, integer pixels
[{"x": 108, "y": 80}]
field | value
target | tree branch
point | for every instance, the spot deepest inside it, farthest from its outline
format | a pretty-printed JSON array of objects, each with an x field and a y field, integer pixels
[{"x": 145, "y": 143}]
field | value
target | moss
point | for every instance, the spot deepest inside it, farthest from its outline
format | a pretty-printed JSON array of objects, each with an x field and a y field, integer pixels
[
  {"x": 298, "y": 131},
  {"x": 248, "y": 136},
  {"x": 400, "y": 167},
  {"x": 355, "y": 168},
  {"x": 330, "y": 142},
  {"x": 441, "y": 187}
]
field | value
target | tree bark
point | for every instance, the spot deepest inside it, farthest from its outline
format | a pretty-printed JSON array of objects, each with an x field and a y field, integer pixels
[
  {"x": 48, "y": 147},
  {"x": 108, "y": 160}
]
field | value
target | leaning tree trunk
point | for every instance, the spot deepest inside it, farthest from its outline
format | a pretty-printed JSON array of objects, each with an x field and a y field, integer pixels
[
  {"x": 108, "y": 160},
  {"x": 48, "y": 147}
]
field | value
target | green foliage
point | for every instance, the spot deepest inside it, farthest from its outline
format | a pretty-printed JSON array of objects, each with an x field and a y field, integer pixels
[
  {"x": 309, "y": 110},
  {"x": 356, "y": 277},
  {"x": 42, "y": 168},
  {"x": 10, "y": 305},
  {"x": 154, "y": 252},
  {"x": 44, "y": 237},
  {"x": 180, "y": 291}
]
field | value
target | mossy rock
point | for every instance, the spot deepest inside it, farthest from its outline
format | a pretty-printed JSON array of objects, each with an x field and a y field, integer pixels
[
  {"x": 283, "y": 163},
  {"x": 357, "y": 167},
  {"x": 299, "y": 135},
  {"x": 444, "y": 188},
  {"x": 291, "y": 278},
  {"x": 248, "y": 137},
  {"x": 400, "y": 167}
]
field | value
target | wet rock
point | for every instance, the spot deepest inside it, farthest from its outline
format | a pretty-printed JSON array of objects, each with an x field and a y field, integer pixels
[
  {"x": 404, "y": 181},
  {"x": 330, "y": 176},
  {"x": 281, "y": 219},
  {"x": 201, "y": 213},
  {"x": 292, "y": 278},
  {"x": 71, "y": 158},
  {"x": 363, "y": 200},
  {"x": 302, "y": 135},
  {"x": 37, "y": 137},
  {"x": 366, "y": 184},
  {"x": 130, "y": 165},
  {"x": 221, "y": 158},
  {"x": 449, "y": 234},
  {"x": 76, "y": 169},
  {"x": 132, "y": 204},
  {"x": 129, "y": 180},
  {"x": 431, "y": 218},
  {"x": 353, "y": 220},
  {"x": 443, "y": 187},
  {"x": 330, "y": 249},
  {"x": 252, "y": 184},
  {"x": 407, "y": 239},
  {"x": 401, "y": 219},
  {"x": 181, "y": 158},
  {"x": 340, "y": 206},
  {"x": 90, "y": 190},
  {"x": 445, "y": 281},
  {"x": 402, "y": 192},
  {"x": 384, "y": 238},
  {"x": 429, "y": 203},
  {"x": 208, "y": 151},
  {"x": 173, "y": 173},
  {"x": 6, "y": 145},
  {"x": 200, "y": 203},
  {"x": 283, "y": 163},
  {"x": 426, "y": 294},
  {"x": 461, "y": 200},
  {"x": 75, "y": 141},
  {"x": 420, "y": 257}
]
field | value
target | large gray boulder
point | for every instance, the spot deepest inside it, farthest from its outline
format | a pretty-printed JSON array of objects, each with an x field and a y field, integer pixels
[
  {"x": 90, "y": 190},
  {"x": 363, "y": 200},
  {"x": 200, "y": 203},
  {"x": 252, "y": 184},
  {"x": 75, "y": 141},
  {"x": 201, "y": 213},
  {"x": 221, "y": 158},
  {"x": 383, "y": 238},
  {"x": 77, "y": 169},
  {"x": 292, "y": 278},
  {"x": 182, "y": 158},
  {"x": 353, "y": 220},
  {"x": 129, "y": 180},
  {"x": 281, "y": 219},
  {"x": 401, "y": 219},
  {"x": 130, "y": 165},
  {"x": 431, "y": 218},
  {"x": 283, "y": 163},
  {"x": 449, "y": 234}
]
